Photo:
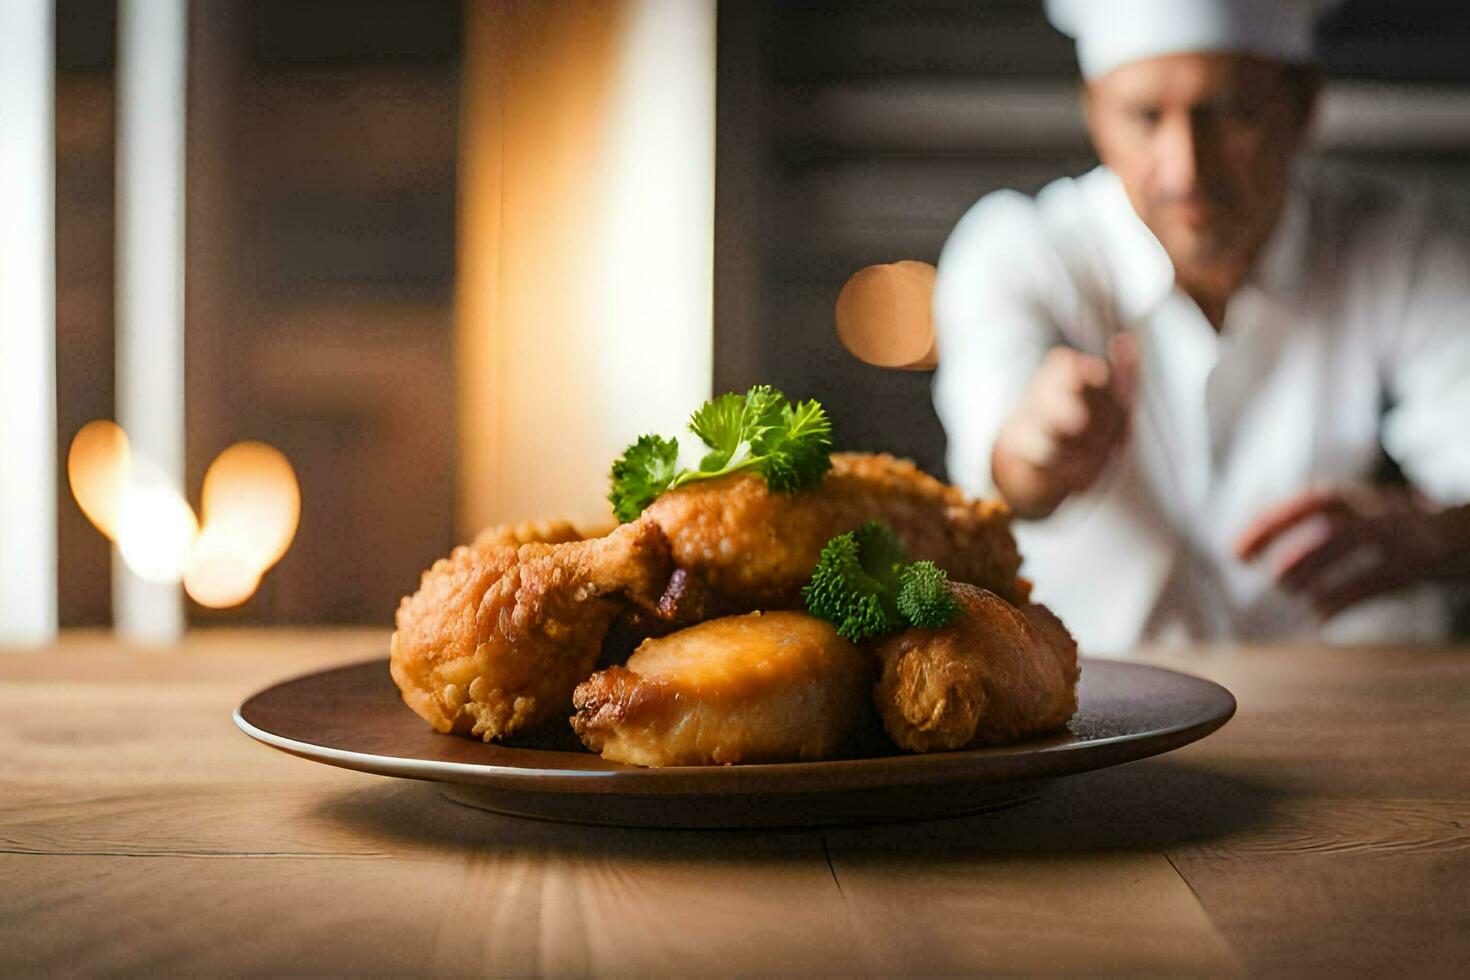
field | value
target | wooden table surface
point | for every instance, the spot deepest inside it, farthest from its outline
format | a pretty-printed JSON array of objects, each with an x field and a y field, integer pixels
[{"x": 1326, "y": 829}]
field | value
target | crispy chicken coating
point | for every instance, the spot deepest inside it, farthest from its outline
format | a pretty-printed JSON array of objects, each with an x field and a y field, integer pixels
[
  {"x": 746, "y": 547},
  {"x": 497, "y": 637},
  {"x": 501, "y": 631},
  {"x": 527, "y": 532},
  {"x": 997, "y": 674},
  {"x": 764, "y": 687}
]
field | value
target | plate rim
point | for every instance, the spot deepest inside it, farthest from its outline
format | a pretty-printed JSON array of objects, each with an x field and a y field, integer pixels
[{"x": 1067, "y": 758}]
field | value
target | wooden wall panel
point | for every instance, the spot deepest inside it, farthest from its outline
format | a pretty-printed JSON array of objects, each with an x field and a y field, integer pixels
[
  {"x": 320, "y": 292},
  {"x": 85, "y": 57}
]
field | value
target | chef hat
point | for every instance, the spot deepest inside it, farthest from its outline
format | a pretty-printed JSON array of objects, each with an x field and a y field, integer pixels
[{"x": 1110, "y": 33}]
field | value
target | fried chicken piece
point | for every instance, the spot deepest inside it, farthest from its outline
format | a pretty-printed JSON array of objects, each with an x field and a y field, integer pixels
[
  {"x": 497, "y": 636},
  {"x": 764, "y": 687},
  {"x": 746, "y": 547},
  {"x": 514, "y": 535},
  {"x": 997, "y": 674},
  {"x": 501, "y": 631}
]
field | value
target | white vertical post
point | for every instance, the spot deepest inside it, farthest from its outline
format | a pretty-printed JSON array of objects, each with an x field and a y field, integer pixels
[
  {"x": 152, "y": 41},
  {"x": 27, "y": 323}
]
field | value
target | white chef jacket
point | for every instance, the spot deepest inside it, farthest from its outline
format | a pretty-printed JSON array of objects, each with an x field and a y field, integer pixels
[{"x": 1351, "y": 332}]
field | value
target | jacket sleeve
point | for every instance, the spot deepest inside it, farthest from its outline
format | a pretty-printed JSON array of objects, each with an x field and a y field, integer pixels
[
  {"x": 993, "y": 325},
  {"x": 1427, "y": 370}
]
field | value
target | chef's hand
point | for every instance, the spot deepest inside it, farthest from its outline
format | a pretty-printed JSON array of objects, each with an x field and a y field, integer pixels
[
  {"x": 1072, "y": 416},
  {"x": 1342, "y": 546}
]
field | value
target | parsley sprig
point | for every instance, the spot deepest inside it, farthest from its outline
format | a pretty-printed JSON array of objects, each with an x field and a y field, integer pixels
[
  {"x": 865, "y": 585},
  {"x": 788, "y": 444}
]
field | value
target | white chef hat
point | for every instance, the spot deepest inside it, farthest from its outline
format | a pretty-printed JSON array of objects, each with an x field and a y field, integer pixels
[{"x": 1110, "y": 33}]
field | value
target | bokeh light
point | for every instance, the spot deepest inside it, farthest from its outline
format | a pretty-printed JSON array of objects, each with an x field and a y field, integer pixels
[
  {"x": 250, "y": 500},
  {"x": 97, "y": 469},
  {"x": 156, "y": 526},
  {"x": 250, "y": 495}
]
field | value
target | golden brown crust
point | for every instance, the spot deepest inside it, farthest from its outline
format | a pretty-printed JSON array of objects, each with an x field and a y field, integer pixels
[
  {"x": 502, "y": 630},
  {"x": 764, "y": 687},
  {"x": 613, "y": 698},
  {"x": 497, "y": 637},
  {"x": 997, "y": 674},
  {"x": 515, "y": 534},
  {"x": 755, "y": 549}
]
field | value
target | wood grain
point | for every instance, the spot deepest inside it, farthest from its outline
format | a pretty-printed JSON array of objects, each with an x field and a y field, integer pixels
[
  {"x": 1098, "y": 912},
  {"x": 1322, "y": 831}
]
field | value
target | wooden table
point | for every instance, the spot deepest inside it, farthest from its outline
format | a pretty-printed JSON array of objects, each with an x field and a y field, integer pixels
[{"x": 1325, "y": 830}]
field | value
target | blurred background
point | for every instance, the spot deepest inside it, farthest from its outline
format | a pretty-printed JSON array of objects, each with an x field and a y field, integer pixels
[
  {"x": 320, "y": 230},
  {"x": 325, "y": 181}
]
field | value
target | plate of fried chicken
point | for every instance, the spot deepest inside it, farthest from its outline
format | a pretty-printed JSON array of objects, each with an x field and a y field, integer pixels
[{"x": 778, "y": 635}]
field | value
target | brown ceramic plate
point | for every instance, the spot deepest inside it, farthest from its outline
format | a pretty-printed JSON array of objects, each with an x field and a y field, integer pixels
[{"x": 352, "y": 717}]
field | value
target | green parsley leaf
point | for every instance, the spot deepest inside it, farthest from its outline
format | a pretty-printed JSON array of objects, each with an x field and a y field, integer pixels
[
  {"x": 797, "y": 453},
  {"x": 731, "y": 425},
  {"x": 645, "y": 470},
  {"x": 790, "y": 446}
]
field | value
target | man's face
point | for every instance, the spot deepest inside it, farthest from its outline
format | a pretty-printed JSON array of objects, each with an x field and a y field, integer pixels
[{"x": 1203, "y": 144}]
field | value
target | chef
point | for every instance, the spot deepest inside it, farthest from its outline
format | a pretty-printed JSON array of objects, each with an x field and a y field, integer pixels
[{"x": 1185, "y": 369}]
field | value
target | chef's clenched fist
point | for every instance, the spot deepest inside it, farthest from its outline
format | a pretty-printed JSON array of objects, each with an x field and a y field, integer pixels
[{"x": 1071, "y": 419}]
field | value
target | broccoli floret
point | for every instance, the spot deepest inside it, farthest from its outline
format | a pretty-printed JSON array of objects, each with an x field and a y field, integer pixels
[
  {"x": 843, "y": 592},
  {"x": 865, "y": 587},
  {"x": 924, "y": 598},
  {"x": 882, "y": 553}
]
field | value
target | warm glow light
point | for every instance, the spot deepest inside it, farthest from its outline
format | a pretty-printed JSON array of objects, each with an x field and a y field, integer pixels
[
  {"x": 250, "y": 500},
  {"x": 251, "y": 496},
  {"x": 97, "y": 468},
  {"x": 586, "y": 261},
  {"x": 156, "y": 526},
  {"x": 220, "y": 574}
]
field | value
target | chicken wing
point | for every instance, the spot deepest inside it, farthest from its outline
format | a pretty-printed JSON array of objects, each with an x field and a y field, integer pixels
[
  {"x": 764, "y": 687},
  {"x": 497, "y": 636},
  {"x": 997, "y": 674}
]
